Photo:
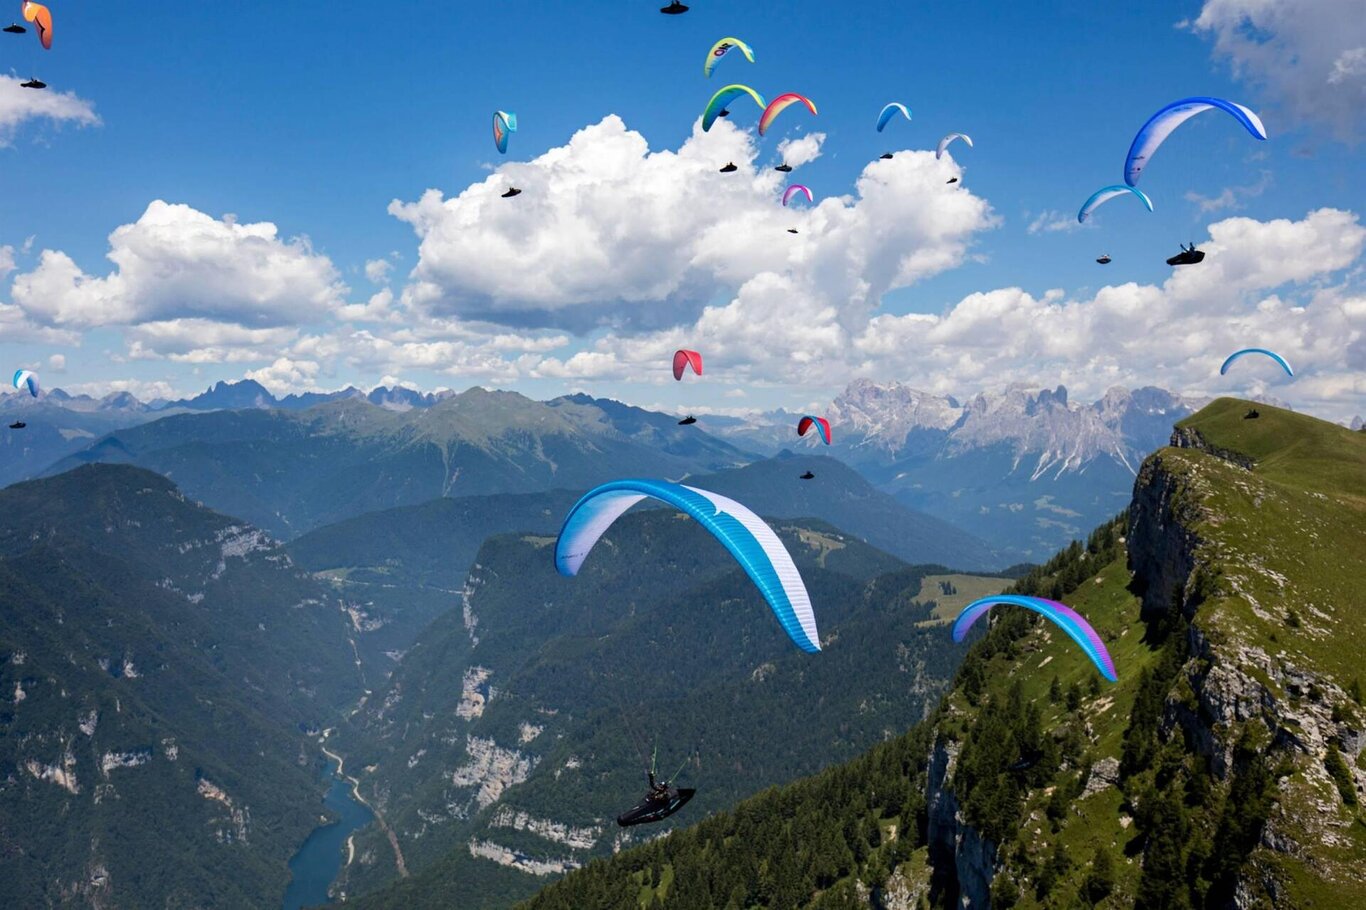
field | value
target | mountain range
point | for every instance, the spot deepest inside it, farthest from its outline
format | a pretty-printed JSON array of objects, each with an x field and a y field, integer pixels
[
  {"x": 1025, "y": 470},
  {"x": 291, "y": 471}
]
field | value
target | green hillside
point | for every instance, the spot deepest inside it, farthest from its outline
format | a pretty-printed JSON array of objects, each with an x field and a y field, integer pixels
[
  {"x": 1224, "y": 767},
  {"x": 158, "y": 663}
]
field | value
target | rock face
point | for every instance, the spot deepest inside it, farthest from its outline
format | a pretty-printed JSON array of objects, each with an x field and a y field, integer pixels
[
  {"x": 1234, "y": 682},
  {"x": 1161, "y": 545},
  {"x": 1199, "y": 547},
  {"x": 961, "y": 858}
]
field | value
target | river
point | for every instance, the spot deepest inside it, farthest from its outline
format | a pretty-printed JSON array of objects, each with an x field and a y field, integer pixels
[{"x": 319, "y": 860}]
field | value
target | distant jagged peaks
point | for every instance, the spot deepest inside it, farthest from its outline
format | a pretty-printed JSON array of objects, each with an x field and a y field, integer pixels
[
  {"x": 886, "y": 413},
  {"x": 1122, "y": 423}
]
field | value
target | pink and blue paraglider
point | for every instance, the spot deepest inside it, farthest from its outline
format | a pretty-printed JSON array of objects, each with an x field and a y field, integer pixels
[{"x": 1067, "y": 619}]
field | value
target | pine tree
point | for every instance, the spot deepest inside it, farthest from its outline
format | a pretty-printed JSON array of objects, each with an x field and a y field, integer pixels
[{"x": 1100, "y": 881}]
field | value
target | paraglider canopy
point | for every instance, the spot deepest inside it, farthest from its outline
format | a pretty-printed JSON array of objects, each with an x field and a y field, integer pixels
[
  {"x": 807, "y": 476},
  {"x": 687, "y": 421},
  {"x": 792, "y": 230},
  {"x": 1105, "y": 194},
  {"x": 886, "y": 156},
  {"x": 1067, "y": 619},
  {"x": 720, "y": 49},
  {"x": 952, "y": 180},
  {"x": 27, "y": 379},
  {"x": 784, "y": 168},
  {"x": 752, "y": 542},
  {"x": 1263, "y": 351},
  {"x": 730, "y": 168},
  {"x": 673, "y": 9},
  {"x": 796, "y": 188},
  {"x": 780, "y": 104},
  {"x": 1104, "y": 259},
  {"x": 512, "y": 191},
  {"x": 723, "y": 97},
  {"x": 684, "y": 359},
  {"x": 890, "y": 111},
  {"x": 41, "y": 17},
  {"x": 1160, "y": 125},
  {"x": 820, "y": 423},
  {"x": 33, "y": 83},
  {"x": 17, "y": 425},
  {"x": 503, "y": 124},
  {"x": 14, "y": 28},
  {"x": 944, "y": 143}
]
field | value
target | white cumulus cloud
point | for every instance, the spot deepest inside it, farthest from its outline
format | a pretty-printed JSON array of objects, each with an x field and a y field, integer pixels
[
  {"x": 19, "y": 105},
  {"x": 175, "y": 262},
  {"x": 1308, "y": 55}
]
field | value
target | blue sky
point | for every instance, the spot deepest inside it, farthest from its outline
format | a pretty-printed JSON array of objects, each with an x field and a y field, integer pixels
[{"x": 313, "y": 116}]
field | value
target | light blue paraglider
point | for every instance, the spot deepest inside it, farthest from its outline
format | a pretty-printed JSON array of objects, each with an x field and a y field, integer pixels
[
  {"x": 753, "y": 544},
  {"x": 1067, "y": 619},
  {"x": 1160, "y": 126},
  {"x": 889, "y": 111},
  {"x": 504, "y": 124},
  {"x": 1272, "y": 354},
  {"x": 1102, "y": 196},
  {"x": 27, "y": 379}
]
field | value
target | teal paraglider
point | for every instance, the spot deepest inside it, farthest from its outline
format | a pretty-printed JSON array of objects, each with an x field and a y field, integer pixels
[
  {"x": 1245, "y": 351},
  {"x": 1105, "y": 194}
]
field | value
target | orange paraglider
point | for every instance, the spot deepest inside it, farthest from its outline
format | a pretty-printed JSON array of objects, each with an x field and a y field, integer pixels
[{"x": 41, "y": 17}]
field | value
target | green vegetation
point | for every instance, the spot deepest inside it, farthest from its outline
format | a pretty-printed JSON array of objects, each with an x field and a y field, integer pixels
[
  {"x": 963, "y": 590},
  {"x": 160, "y": 663}
]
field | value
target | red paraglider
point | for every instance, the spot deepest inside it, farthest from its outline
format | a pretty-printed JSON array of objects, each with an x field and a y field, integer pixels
[
  {"x": 820, "y": 423},
  {"x": 684, "y": 359}
]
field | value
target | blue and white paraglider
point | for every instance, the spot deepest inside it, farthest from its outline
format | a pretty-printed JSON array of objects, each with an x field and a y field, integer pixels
[
  {"x": 1245, "y": 351},
  {"x": 753, "y": 544},
  {"x": 1160, "y": 125},
  {"x": 891, "y": 110},
  {"x": 27, "y": 379}
]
